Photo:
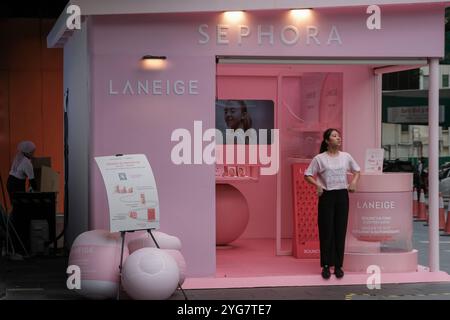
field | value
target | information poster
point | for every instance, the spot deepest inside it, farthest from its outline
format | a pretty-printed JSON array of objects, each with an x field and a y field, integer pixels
[
  {"x": 131, "y": 190},
  {"x": 374, "y": 161}
]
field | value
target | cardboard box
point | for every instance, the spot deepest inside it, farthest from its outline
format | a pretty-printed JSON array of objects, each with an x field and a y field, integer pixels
[
  {"x": 49, "y": 180},
  {"x": 39, "y": 162}
]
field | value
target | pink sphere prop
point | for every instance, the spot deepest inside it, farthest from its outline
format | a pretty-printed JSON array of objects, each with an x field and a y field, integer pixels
[
  {"x": 179, "y": 259},
  {"x": 150, "y": 274},
  {"x": 130, "y": 236},
  {"x": 97, "y": 254},
  {"x": 232, "y": 214},
  {"x": 164, "y": 240}
]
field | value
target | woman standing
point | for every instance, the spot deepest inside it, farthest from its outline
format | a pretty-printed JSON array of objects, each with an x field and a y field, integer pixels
[{"x": 330, "y": 167}]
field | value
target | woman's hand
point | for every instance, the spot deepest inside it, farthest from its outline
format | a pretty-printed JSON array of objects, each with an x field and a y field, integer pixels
[
  {"x": 319, "y": 190},
  {"x": 352, "y": 187}
]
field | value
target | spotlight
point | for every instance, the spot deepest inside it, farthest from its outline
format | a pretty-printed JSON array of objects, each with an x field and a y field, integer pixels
[
  {"x": 153, "y": 62},
  {"x": 301, "y": 13},
  {"x": 234, "y": 16}
]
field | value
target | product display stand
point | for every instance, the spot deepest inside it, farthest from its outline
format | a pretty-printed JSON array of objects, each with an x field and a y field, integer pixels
[{"x": 306, "y": 233}]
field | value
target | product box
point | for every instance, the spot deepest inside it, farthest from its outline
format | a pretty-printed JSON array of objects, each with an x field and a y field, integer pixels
[
  {"x": 49, "y": 180},
  {"x": 39, "y": 162}
]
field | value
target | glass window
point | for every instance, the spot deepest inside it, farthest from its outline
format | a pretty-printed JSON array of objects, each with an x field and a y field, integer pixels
[
  {"x": 405, "y": 127},
  {"x": 425, "y": 82},
  {"x": 445, "y": 80}
]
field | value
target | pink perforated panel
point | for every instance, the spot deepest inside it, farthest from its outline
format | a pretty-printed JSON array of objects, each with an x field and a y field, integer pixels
[{"x": 306, "y": 234}]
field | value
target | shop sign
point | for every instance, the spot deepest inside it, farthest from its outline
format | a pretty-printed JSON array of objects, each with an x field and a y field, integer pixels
[
  {"x": 225, "y": 34},
  {"x": 412, "y": 114},
  {"x": 153, "y": 87}
]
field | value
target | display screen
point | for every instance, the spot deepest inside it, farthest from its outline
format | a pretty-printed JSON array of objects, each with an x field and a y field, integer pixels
[{"x": 255, "y": 118}]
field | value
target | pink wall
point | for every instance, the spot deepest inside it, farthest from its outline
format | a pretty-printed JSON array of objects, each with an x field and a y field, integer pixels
[
  {"x": 133, "y": 123},
  {"x": 144, "y": 124}
]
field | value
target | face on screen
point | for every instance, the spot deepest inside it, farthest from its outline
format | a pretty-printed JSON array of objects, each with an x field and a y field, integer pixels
[
  {"x": 254, "y": 117},
  {"x": 233, "y": 115}
]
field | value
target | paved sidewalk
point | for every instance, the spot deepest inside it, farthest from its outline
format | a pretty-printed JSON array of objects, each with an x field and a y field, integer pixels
[
  {"x": 417, "y": 291},
  {"x": 44, "y": 278}
]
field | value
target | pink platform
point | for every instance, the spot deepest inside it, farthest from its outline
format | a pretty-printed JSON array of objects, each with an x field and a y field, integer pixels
[
  {"x": 252, "y": 263},
  {"x": 388, "y": 262}
]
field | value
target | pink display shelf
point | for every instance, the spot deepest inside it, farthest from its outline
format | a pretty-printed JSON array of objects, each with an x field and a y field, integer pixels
[
  {"x": 306, "y": 235},
  {"x": 235, "y": 173}
]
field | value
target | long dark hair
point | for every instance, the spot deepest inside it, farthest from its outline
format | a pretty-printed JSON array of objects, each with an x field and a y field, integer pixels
[{"x": 326, "y": 137}]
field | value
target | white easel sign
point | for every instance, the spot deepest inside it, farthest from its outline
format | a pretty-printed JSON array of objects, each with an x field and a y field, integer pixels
[
  {"x": 374, "y": 161},
  {"x": 131, "y": 190}
]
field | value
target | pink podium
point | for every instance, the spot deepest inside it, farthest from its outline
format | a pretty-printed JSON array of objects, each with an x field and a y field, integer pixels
[{"x": 380, "y": 224}]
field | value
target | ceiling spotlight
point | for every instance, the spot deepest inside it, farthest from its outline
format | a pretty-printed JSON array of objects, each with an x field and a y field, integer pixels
[
  {"x": 301, "y": 13},
  {"x": 234, "y": 16},
  {"x": 150, "y": 57}
]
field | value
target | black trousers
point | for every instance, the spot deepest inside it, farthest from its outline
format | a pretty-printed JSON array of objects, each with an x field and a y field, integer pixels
[{"x": 333, "y": 216}]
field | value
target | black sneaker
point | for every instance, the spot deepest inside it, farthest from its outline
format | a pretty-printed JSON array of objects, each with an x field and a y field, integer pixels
[
  {"x": 326, "y": 272},
  {"x": 338, "y": 272}
]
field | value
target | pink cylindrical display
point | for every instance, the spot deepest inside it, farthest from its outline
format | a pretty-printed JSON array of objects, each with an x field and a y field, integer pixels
[
  {"x": 381, "y": 216},
  {"x": 380, "y": 224}
]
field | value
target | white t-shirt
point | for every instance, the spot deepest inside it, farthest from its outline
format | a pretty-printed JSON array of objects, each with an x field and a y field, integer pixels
[
  {"x": 24, "y": 170},
  {"x": 332, "y": 171}
]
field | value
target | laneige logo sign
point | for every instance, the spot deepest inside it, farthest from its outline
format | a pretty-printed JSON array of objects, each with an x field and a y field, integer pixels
[
  {"x": 375, "y": 204},
  {"x": 153, "y": 87}
]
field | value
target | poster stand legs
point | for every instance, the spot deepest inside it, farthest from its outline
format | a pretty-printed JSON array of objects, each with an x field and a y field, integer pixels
[
  {"x": 122, "y": 235},
  {"x": 157, "y": 245}
]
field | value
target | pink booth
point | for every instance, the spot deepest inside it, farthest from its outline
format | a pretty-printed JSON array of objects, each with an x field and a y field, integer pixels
[{"x": 168, "y": 78}]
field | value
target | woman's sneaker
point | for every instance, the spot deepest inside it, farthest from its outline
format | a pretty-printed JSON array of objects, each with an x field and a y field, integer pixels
[
  {"x": 326, "y": 272},
  {"x": 338, "y": 272}
]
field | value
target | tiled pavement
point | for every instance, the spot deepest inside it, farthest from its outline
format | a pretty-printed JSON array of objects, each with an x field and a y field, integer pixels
[{"x": 44, "y": 278}]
